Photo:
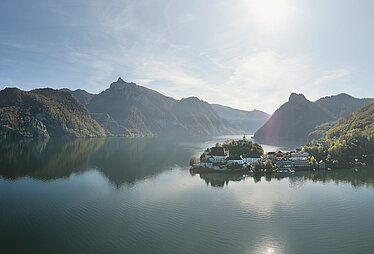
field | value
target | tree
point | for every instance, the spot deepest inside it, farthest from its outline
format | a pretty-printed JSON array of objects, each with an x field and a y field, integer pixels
[
  {"x": 193, "y": 161},
  {"x": 243, "y": 147},
  {"x": 257, "y": 166},
  {"x": 313, "y": 162},
  {"x": 268, "y": 165},
  {"x": 203, "y": 158}
]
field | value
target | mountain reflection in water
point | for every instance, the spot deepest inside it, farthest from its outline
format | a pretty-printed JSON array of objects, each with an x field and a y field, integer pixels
[
  {"x": 121, "y": 160},
  {"x": 127, "y": 160}
]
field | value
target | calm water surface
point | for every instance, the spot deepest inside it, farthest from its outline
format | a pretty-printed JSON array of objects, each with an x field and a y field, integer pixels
[{"x": 120, "y": 195}]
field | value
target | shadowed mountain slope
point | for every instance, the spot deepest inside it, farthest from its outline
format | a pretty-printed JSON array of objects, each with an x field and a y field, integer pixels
[
  {"x": 142, "y": 111},
  {"x": 293, "y": 121},
  {"x": 245, "y": 121},
  {"x": 82, "y": 96},
  {"x": 342, "y": 104},
  {"x": 44, "y": 113}
]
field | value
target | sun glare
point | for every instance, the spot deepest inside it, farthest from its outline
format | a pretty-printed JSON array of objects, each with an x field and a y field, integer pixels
[{"x": 271, "y": 13}]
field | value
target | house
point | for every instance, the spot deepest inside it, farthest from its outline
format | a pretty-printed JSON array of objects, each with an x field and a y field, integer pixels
[
  {"x": 322, "y": 165},
  {"x": 236, "y": 159},
  {"x": 285, "y": 165},
  {"x": 217, "y": 154},
  {"x": 301, "y": 164},
  {"x": 300, "y": 160},
  {"x": 250, "y": 160},
  {"x": 299, "y": 156}
]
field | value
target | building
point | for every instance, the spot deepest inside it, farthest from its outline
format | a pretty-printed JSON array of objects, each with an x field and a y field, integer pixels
[
  {"x": 301, "y": 164},
  {"x": 322, "y": 165},
  {"x": 300, "y": 160},
  {"x": 250, "y": 160},
  {"x": 236, "y": 159},
  {"x": 217, "y": 154},
  {"x": 293, "y": 164},
  {"x": 299, "y": 156},
  {"x": 285, "y": 165}
]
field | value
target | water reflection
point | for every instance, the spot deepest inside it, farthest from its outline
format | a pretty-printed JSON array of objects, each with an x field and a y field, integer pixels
[
  {"x": 128, "y": 160},
  {"x": 45, "y": 160},
  {"x": 125, "y": 161},
  {"x": 121, "y": 160},
  {"x": 356, "y": 177},
  {"x": 221, "y": 179}
]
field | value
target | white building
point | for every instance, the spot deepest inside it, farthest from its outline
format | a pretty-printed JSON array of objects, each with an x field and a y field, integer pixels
[
  {"x": 299, "y": 156},
  {"x": 235, "y": 159},
  {"x": 251, "y": 160},
  {"x": 217, "y": 155}
]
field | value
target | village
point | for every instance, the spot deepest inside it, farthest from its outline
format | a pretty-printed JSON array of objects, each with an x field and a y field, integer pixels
[{"x": 228, "y": 158}]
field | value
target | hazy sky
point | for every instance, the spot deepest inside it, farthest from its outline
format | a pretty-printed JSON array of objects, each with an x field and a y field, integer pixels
[{"x": 245, "y": 54}]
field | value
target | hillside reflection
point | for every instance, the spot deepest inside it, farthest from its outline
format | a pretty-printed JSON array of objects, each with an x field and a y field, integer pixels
[
  {"x": 45, "y": 160},
  {"x": 128, "y": 160},
  {"x": 121, "y": 160}
]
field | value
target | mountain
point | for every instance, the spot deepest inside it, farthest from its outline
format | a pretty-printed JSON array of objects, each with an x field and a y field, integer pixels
[
  {"x": 82, "y": 96},
  {"x": 245, "y": 121},
  {"x": 44, "y": 113},
  {"x": 352, "y": 137},
  {"x": 342, "y": 104},
  {"x": 137, "y": 110},
  {"x": 293, "y": 121},
  {"x": 360, "y": 122}
]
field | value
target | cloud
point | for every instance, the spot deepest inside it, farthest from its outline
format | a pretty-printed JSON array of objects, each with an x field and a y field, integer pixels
[
  {"x": 265, "y": 79},
  {"x": 334, "y": 75},
  {"x": 182, "y": 50}
]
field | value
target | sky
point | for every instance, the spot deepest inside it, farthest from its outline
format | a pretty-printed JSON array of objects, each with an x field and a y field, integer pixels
[{"x": 247, "y": 54}]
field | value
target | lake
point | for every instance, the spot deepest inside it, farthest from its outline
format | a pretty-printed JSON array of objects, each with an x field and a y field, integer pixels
[{"x": 121, "y": 195}]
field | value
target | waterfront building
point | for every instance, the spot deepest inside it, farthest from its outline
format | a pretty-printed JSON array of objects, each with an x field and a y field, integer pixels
[
  {"x": 250, "y": 160},
  {"x": 322, "y": 165},
  {"x": 236, "y": 159},
  {"x": 301, "y": 164},
  {"x": 285, "y": 165},
  {"x": 299, "y": 156},
  {"x": 217, "y": 154},
  {"x": 300, "y": 160}
]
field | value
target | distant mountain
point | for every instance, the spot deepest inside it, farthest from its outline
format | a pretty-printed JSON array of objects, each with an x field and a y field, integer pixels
[
  {"x": 44, "y": 113},
  {"x": 293, "y": 121},
  {"x": 137, "y": 110},
  {"x": 300, "y": 120},
  {"x": 342, "y": 104},
  {"x": 82, "y": 96},
  {"x": 199, "y": 117},
  {"x": 244, "y": 121}
]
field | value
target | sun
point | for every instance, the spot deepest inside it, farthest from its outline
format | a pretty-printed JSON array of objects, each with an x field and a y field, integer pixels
[{"x": 270, "y": 13}]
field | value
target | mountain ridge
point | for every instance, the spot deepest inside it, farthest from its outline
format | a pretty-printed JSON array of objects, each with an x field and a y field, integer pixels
[
  {"x": 292, "y": 121},
  {"x": 143, "y": 111},
  {"x": 44, "y": 113},
  {"x": 300, "y": 119},
  {"x": 243, "y": 120}
]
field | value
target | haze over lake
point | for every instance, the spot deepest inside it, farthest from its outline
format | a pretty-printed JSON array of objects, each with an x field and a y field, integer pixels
[{"x": 122, "y": 195}]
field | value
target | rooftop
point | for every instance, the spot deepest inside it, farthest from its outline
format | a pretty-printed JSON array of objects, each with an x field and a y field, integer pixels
[{"x": 217, "y": 151}]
